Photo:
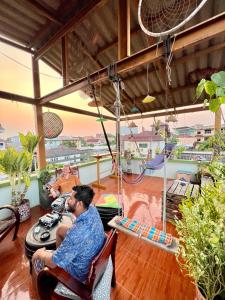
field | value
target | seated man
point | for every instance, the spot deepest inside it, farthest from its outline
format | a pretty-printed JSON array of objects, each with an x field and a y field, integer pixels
[
  {"x": 64, "y": 183},
  {"x": 79, "y": 244}
]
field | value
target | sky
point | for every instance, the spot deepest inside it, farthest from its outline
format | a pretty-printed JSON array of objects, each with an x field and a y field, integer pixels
[{"x": 16, "y": 77}]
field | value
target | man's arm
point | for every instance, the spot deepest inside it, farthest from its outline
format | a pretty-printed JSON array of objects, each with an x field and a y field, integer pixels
[{"x": 45, "y": 256}]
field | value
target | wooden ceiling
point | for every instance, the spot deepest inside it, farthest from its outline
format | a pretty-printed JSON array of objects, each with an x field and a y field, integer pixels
[{"x": 77, "y": 38}]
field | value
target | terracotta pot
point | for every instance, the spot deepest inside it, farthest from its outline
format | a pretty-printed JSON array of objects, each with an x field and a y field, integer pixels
[{"x": 24, "y": 210}]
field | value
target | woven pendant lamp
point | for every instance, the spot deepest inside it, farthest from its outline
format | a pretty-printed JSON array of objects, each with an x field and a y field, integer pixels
[{"x": 52, "y": 125}]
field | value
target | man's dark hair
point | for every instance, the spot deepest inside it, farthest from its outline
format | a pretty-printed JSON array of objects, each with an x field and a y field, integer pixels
[{"x": 84, "y": 193}]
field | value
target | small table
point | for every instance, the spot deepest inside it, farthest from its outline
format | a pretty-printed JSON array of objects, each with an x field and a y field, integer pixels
[
  {"x": 98, "y": 157},
  {"x": 33, "y": 242},
  {"x": 177, "y": 191}
]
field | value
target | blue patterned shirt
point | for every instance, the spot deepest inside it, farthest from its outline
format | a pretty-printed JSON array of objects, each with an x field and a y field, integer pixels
[{"x": 81, "y": 244}]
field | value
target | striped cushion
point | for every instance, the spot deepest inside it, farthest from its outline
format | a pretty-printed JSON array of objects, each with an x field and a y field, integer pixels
[
  {"x": 129, "y": 224},
  {"x": 156, "y": 235},
  {"x": 148, "y": 232}
]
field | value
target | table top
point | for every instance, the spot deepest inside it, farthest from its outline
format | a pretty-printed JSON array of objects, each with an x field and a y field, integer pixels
[
  {"x": 33, "y": 239},
  {"x": 183, "y": 188},
  {"x": 100, "y": 155}
]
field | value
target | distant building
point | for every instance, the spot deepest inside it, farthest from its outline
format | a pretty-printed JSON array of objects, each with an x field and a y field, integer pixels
[
  {"x": 125, "y": 130},
  {"x": 146, "y": 141},
  {"x": 69, "y": 141},
  {"x": 185, "y": 130},
  {"x": 186, "y": 140}
]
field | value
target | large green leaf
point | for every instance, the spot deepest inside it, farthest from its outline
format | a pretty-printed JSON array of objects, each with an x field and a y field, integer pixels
[
  {"x": 214, "y": 105},
  {"x": 222, "y": 100},
  {"x": 200, "y": 88},
  {"x": 220, "y": 92},
  {"x": 219, "y": 78},
  {"x": 210, "y": 88},
  {"x": 29, "y": 141}
]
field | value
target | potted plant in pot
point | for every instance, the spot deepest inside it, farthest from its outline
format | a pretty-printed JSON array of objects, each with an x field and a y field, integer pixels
[
  {"x": 17, "y": 165},
  {"x": 202, "y": 241},
  {"x": 44, "y": 177}
]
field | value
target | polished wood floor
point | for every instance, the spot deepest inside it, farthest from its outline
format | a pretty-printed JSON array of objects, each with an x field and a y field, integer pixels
[{"x": 143, "y": 271}]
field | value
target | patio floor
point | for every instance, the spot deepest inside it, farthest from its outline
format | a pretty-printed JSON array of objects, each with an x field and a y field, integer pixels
[{"x": 142, "y": 270}]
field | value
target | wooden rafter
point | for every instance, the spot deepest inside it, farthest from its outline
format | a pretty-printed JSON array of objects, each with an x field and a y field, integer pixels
[
  {"x": 65, "y": 60},
  {"x": 76, "y": 110},
  {"x": 17, "y": 98},
  {"x": 15, "y": 45},
  {"x": 199, "y": 33},
  {"x": 165, "y": 113},
  {"x": 123, "y": 28},
  {"x": 42, "y": 11},
  {"x": 74, "y": 21}
]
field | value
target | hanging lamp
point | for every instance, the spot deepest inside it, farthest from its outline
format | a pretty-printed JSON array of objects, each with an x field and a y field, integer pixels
[
  {"x": 148, "y": 98},
  {"x": 101, "y": 119},
  {"x": 134, "y": 108}
]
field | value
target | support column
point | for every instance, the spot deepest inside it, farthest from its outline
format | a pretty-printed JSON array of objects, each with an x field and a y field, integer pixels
[
  {"x": 65, "y": 61},
  {"x": 38, "y": 116},
  {"x": 123, "y": 28},
  {"x": 218, "y": 116}
]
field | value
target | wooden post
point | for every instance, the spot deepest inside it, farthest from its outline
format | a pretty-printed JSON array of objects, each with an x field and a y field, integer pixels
[
  {"x": 65, "y": 61},
  {"x": 38, "y": 116},
  {"x": 98, "y": 184},
  {"x": 217, "y": 125},
  {"x": 123, "y": 28}
]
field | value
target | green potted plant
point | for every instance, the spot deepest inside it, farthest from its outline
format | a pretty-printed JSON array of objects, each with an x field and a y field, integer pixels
[
  {"x": 17, "y": 165},
  {"x": 44, "y": 177},
  {"x": 202, "y": 241}
]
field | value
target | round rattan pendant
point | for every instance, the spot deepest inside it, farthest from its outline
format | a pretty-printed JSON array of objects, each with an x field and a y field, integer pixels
[{"x": 52, "y": 125}]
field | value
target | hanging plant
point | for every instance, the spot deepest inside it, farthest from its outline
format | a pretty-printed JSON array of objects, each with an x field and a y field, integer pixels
[{"x": 214, "y": 89}]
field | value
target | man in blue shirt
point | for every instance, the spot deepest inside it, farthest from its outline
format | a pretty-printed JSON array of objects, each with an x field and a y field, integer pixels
[{"x": 78, "y": 245}]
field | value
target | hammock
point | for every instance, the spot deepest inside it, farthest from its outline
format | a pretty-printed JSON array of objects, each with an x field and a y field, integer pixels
[
  {"x": 158, "y": 162},
  {"x": 155, "y": 164}
]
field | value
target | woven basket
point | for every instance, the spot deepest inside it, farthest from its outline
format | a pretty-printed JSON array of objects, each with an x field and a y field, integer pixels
[{"x": 52, "y": 125}]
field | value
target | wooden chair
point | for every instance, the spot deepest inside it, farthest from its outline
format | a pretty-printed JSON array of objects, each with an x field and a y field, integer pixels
[
  {"x": 47, "y": 279},
  {"x": 7, "y": 225}
]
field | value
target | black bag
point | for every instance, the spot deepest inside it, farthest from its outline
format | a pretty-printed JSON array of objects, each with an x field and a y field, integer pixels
[{"x": 107, "y": 214}]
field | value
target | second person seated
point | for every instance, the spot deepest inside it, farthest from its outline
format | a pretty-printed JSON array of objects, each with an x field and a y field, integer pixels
[{"x": 64, "y": 183}]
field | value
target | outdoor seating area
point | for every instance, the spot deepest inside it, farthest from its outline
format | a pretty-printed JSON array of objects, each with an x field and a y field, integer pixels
[{"x": 132, "y": 208}]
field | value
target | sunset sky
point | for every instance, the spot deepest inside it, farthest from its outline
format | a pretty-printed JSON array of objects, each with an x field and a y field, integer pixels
[{"x": 16, "y": 77}]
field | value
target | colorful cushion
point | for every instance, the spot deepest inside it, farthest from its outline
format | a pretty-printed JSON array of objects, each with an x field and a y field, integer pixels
[
  {"x": 108, "y": 200},
  {"x": 132, "y": 225},
  {"x": 156, "y": 235},
  {"x": 148, "y": 232}
]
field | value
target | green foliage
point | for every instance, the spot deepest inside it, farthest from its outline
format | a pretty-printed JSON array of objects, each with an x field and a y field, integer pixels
[
  {"x": 215, "y": 143},
  {"x": 215, "y": 169},
  {"x": 45, "y": 175},
  {"x": 178, "y": 151},
  {"x": 17, "y": 165},
  {"x": 202, "y": 239},
  {"x": 173, "y": 139},
  {"x": 214, "y": 89}
]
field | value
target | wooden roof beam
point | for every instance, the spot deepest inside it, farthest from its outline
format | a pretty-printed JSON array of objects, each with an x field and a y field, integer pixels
[
  {"x": 164, "y": 113},
  {"x": 43, "y": 11},
  {"x": 76, "y": 111},
  {"x": 74, "y": 21},
  {"x": 186, "y": 39},
  {"x": 15, "y": 45},
  {"x": 17, "y": 98}
]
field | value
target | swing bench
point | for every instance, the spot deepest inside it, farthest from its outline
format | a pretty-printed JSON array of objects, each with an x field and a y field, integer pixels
[{"x": 155, "y": 237}]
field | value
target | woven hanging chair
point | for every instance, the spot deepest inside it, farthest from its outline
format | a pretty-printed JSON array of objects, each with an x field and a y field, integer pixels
[{"x": 52, "y": 125}]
